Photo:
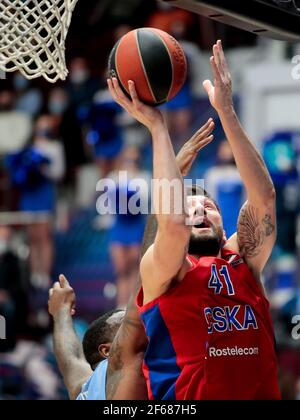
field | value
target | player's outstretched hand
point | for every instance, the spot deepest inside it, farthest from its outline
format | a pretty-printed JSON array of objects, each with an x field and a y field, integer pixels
[
  {"x": 192, "y": 147},
  {"x": 146, "y": 115},
  {"x": 61, "y": 298},
  {"x": 219, "y": 92}
]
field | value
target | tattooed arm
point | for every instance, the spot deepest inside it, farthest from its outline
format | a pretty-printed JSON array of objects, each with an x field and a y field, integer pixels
[
  {"x": 125, "y": 379},
  {"x": 256, "y": 235},
  {"x": 256, "y": 232},
  {"x": 67, "y": 346}
]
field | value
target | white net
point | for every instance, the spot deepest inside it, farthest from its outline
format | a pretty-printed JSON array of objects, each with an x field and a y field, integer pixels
[{"x": 33, "y": 35}]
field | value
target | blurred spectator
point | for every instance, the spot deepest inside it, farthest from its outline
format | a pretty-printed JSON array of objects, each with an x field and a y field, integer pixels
[
  {"x": 29, "y": 99},
  {"x": 281, "y": 159},
  {"x": 165, "y": 16},
  {"x": 36, "y": 170},
  {"x": 133, "y": 12},
  {"x": 195, "y": 58},
  {"x": 15, "y": 126},
  {"x": 68, "y": 129},
  {"x": 105, "y": 135},
  {"x": 282, "y": 292},
  {"x": 179, "y": 109},
  {"x": 40, "y": 380},
  {"x": 127, "y": 231},
  {"x": 81, "y": 86},
  {"x": 43, "y": 198},
  {"x": 134, "y": 133},
  {"x": 12, "y": 293},
  {"x": 224, "y": 183}
]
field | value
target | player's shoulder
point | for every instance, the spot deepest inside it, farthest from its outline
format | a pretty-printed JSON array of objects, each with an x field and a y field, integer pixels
[
  {"x": 232, "y": 248},
  {"x": 232, "y": 244}
]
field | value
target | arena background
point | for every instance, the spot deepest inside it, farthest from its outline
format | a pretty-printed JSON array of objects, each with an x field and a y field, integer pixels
[{"x": 267, "y": 95}]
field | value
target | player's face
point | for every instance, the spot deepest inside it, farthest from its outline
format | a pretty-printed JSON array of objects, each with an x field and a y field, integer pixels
[{"x": 207, "y": 227}]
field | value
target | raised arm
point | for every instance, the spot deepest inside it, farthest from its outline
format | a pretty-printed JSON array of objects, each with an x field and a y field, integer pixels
[
  {"x": 67, "y": 346},
  {"x": 125, "y": 380},
  {"x": 157, "y": 269},
  {"x": 256, "y": 230}
]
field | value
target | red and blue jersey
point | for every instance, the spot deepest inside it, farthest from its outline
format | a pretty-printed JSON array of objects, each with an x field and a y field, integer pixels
[{"x": 211, "y": 335}]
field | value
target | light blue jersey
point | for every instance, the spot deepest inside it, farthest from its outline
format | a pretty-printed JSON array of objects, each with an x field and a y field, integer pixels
[{"x": 94, "y": 388}]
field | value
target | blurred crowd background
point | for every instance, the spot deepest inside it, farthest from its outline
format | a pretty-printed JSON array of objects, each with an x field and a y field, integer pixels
[{"x": 57, "y": 141}]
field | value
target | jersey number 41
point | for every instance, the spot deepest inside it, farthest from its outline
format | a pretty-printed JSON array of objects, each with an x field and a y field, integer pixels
[{"x": 220, "y": 278}]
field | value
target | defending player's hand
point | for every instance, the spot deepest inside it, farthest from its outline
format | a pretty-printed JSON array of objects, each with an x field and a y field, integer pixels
[
  {"x": 146, "y": 115},
  {"x": 219, "y": 93},
  {"x": 192, "y": 147},
  {"x": 61, "y": 298}
]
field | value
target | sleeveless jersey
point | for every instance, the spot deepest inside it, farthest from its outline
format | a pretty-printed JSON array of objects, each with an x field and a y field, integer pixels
[
  {"x": 94, "y": 388},
  {"x": 211, "y": 335}
]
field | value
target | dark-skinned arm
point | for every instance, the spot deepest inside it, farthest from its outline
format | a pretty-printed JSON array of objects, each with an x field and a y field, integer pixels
[
  {"x": 67, "y": 346},
  {"x": 125, "y": 379}
]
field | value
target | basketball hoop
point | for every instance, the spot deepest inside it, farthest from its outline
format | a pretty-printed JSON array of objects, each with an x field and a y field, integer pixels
[{"x": 33, "y": 35}]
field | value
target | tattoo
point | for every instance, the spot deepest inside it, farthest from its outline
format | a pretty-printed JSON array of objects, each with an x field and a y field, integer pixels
[
  {"x": 268, "y": 225},
  {"x": 69, "y": 354},
  {"x": 65, "y": 340},
  {"x": 117, "y": 370},
  {"x": 131, "y": 329},
  {"x": 252, "y": 232}
]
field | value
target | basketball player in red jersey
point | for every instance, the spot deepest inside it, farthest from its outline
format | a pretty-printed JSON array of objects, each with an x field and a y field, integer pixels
[{"x": 202, "y": 302}]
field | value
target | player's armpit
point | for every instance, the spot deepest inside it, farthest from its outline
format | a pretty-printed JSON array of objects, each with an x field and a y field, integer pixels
[
  {"x": 77, "y": 374},
  {"x": 256, "y": 234},
  {"x": 129, "y": 341},
  {"x": 125, "y": 379},
  {"x": 127, "y": 383}
]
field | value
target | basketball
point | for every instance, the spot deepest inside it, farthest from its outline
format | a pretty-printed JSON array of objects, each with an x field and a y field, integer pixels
[{"x": 154, "y": 60}]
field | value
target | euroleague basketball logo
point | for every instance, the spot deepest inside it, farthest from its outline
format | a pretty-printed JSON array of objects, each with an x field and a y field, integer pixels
[{"x": 179, "y": 57}]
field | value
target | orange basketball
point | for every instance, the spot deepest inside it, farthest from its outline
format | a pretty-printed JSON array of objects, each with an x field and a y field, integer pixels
[{"x": 154, "y": 60}]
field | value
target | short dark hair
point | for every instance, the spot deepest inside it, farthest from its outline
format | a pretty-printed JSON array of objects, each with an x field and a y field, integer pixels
[
  {"x": 197, "y": 190},
  {"x": 99, "y": 332}
]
